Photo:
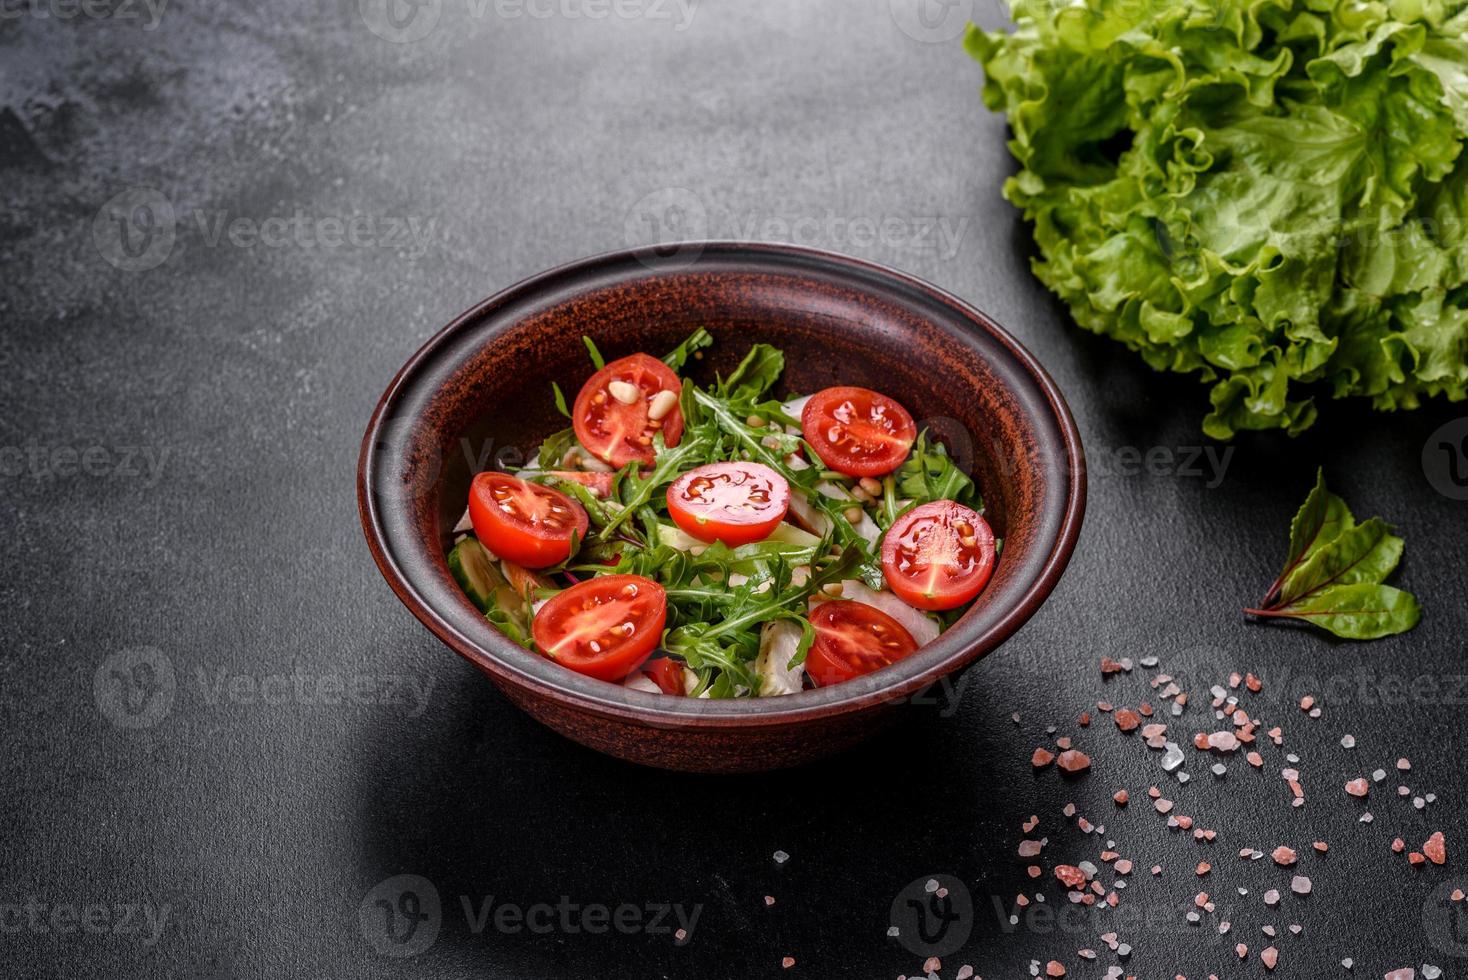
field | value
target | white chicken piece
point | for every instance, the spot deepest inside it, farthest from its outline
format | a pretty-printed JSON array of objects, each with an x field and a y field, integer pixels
[
  {"x": 813, "y": 519},
  {"x": 638, "y": 681},
  {"x": 778, "y": 642}
]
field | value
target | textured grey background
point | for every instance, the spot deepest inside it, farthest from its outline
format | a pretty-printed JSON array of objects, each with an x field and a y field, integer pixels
[{"x": 513, "y": 142}]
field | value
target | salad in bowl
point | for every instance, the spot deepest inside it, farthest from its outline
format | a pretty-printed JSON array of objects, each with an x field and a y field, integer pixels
[{"x": 725, "y": 541}]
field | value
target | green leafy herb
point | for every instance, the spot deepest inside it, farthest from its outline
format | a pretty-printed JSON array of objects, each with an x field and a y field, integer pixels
[
  {"x": 1268, "y": 195},
  {"x": 679, "y": 355},
  {"x": 560, "y": 400},
  {"x": 755, "y": 375},
  {"x": 596, "y": 357},
  {"x": 931, "y": 474},
  {"x": 1334, "y": 572},
  {"x": 554, "y": 449}
]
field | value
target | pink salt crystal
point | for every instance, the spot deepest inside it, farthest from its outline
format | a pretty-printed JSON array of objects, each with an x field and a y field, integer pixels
[
  {"x": 1073, "y": 761},
  {"x": 1436, "y": 848},
  {"x": 1300, "y": 885},
  {"x": 1223, "y": 741},
  {"x": 1358, "y": 787},
  {"x": 1269, "y": 957}
]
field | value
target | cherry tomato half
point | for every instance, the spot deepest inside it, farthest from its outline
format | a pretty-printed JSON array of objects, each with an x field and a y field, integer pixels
[
  {"x": 619, "y": 431},
  {"x": 938, "y": 556},
  {"x": 857, "y": 431},
  {"x": 853, "y": 638},
  {"x": 527, "y": 523},
  {"x": 667, "y": 674},
  {"x": 735, "y": 503},
  {"x": 604, "y": 627}
]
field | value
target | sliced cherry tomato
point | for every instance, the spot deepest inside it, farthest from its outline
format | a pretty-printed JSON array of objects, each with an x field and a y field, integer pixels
[
  {"x": 938, "y": 556},
  {"x": 618, "y": 431},
  {"x": 735, "y": 503},
  {"x": 604, "y": 627},
  {"x": 857, "y": 431},
  {"x": 667, "y": 674},
  {"x": 527, "y": 523},
  {"x": 600, "y": 484},
  {"x": 853, "y": 638}
]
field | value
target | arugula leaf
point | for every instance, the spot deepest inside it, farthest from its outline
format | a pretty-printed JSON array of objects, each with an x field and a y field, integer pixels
[
  {"x": 554, "y": 449},
  {"x": 1334, "y": 573},
  {"x": 679, "y": 355},
  {"x": 560, "y": 400},
  {"x": 931, "y": 474},
  {"x": 596, "y": 357},
  {"x": 635, "y": 490},
  {"x": 755, "y": 375}
]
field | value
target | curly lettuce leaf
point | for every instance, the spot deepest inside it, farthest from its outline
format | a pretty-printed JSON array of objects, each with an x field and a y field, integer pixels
[{"x": 1267, "y": 194}]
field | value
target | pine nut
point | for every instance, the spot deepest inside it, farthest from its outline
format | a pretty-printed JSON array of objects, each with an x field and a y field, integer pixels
[
  {"x": 623, "y": 392},
  {"x": 871, "y": 486},
  {"x": 662, "y": 404},
  {"x": 834, "y": 589},
  {"x": 853, "y": 515},
  {"x": 755, "y": 422}
]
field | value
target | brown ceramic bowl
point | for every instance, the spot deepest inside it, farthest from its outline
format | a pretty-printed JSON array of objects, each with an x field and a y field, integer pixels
[{"x": 478, "y": 394}]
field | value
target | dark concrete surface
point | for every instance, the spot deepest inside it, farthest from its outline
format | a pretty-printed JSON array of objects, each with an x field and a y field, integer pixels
[{"x": 213, "y": 709}]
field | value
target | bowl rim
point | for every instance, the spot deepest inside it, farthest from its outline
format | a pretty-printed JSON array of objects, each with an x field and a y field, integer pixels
[{"x": 617, "y": 702}]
